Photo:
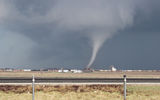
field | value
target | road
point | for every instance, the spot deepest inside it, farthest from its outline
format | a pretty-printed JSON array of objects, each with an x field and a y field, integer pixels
[{"x": 81, "y": 80}]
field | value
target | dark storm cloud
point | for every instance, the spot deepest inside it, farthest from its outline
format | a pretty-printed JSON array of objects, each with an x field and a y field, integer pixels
[{"x": 56, "y": 31}]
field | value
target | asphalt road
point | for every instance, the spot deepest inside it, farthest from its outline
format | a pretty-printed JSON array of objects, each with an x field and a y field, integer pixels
[{"x": 78, "y": 80}]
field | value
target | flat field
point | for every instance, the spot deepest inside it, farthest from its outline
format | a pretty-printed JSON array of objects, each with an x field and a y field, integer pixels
[
  {"x": 96, "y": 74},
  {"x": 80, "y": 92}
]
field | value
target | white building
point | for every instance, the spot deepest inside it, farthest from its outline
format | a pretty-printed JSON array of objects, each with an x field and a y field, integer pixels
[
  {"x": 113, "y": 69},
  {"x": 26, "y": 70},
  {"x": 9, "y": 70},
  {"x": 76, "y": 71},
  {"x": 63, "y": 70},
  {"x": 60, "y": 71}
]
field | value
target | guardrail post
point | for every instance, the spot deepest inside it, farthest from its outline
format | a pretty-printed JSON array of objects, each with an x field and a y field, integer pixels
[
  {"x": 33, "y": 81},
  {"x": 125, "y": 87}
]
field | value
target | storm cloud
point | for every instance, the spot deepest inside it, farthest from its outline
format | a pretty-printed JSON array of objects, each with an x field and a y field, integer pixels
[{"x": 63, "y": 32}]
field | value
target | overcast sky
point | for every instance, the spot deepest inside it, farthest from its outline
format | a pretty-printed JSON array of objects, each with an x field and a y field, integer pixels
[{"x": 60, "y": 33}]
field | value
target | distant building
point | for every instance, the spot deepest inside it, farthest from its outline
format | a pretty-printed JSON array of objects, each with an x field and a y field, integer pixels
[
  {"x": 63, "y": 70},
  {"x": 112, "y": 68},
  {"x": 66, "y": 70},
  {"x": 26, "y": 70},
  {"x": 9, "y": 69},
  {"x": 76, "y": 71},
  {"x": 102, "y": 70},
  {"x": 60, "y": 70}
]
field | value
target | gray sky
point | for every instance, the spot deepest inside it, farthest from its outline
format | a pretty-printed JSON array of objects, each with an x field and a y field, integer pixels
[{"x": 40, "y": 33}]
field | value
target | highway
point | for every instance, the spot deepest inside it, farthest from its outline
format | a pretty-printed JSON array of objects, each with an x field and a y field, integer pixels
[{"x": 80, "y": 80}]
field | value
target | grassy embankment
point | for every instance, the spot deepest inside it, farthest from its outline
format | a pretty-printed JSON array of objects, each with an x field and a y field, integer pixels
[{"x": 83, "y": 92}]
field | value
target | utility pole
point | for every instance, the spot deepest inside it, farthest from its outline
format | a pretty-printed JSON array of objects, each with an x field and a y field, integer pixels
[
  {"x": 125, "y": 87},
  {"x": 33, "y": 81}
]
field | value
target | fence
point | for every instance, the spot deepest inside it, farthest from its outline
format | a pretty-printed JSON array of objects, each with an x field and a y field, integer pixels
[{"x": 33, "y": 87}]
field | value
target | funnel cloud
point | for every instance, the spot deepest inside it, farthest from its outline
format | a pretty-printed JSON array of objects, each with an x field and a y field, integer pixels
[
  {"x": 72, "y": 32},
  {"x": 118, "y": 16}
]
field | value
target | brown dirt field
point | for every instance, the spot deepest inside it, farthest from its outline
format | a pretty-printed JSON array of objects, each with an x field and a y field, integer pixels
[
  {"x": 61, "y": 88},
  {"x": 79, "y": 92},
  {"x": 97, "y": 74}
]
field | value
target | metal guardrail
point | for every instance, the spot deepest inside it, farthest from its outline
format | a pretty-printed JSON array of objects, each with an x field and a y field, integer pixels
[
  {"x": 78, "y": 80},
  {"x": 34, "y": 80}
]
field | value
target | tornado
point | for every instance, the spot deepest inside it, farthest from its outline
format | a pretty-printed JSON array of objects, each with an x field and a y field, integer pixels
[
  {"x": 96, "y": 46},
  {"x": 97, "y": 42}
]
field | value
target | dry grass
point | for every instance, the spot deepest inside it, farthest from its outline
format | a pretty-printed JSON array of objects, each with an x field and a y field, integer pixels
[
  {"x": 61, "y": 88},
  {"x": 82, "y": 75},
  {"x": 80, "y": 92}
]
